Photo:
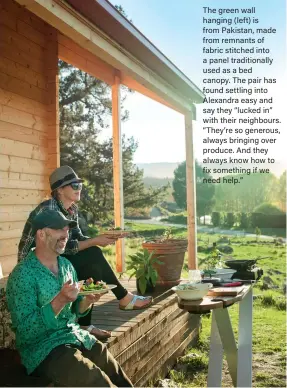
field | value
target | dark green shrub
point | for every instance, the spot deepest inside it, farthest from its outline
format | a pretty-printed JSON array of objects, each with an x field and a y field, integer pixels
[
  {"x": 230, "y": 219},
  {"x": 244, "y": 221},
  {"x": 216, "y": 218},
  {"x": 268, "y": 209}
]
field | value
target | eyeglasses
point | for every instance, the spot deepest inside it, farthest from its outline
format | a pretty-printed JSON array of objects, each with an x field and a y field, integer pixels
[{"x": 76, "y": 186}]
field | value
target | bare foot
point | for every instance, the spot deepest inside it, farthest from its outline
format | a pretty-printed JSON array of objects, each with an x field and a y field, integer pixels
[{"x": 140, "y": 303}]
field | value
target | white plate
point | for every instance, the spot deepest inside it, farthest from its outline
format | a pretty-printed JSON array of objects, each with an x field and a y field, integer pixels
[{"x": 102, "y": 291}]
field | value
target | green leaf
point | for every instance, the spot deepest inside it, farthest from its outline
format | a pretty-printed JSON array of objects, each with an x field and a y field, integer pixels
[
  {"x": 153, "y": 277},
  {"x": 142, "y": 284},
  {"x": 132, "y": 275},
  {"x": 140, "y": 272}
]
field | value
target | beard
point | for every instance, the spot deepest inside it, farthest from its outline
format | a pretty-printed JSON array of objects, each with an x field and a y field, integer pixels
[{"x": 56, "y": 245}]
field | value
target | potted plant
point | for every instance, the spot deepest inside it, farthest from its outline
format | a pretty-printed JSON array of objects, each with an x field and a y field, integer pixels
[
  {"x": 142, "y": 265},
  {"x": 212, "y": 262},
  {"x": 171, "y": 252}
]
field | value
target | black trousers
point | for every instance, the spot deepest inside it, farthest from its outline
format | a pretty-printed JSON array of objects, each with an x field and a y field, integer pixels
[
  {"x": 73, "y": 366},
  {"x": 91, "y": 263}
]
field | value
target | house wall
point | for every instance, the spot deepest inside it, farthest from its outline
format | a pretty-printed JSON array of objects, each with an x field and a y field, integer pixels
[{"x": 29, "y": 138}]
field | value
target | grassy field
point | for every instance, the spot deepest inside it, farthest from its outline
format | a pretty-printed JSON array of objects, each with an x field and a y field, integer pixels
[{"x": 269, "y": 322}]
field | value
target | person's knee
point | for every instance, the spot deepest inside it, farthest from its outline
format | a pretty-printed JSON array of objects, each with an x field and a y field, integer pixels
[{"x": 93, "y": 250}]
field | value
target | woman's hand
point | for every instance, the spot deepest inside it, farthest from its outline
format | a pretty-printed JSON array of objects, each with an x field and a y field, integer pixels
[{"x": 103, "y": 241}]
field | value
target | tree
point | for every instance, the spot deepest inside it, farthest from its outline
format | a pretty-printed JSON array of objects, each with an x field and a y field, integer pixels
[
  {"x": 85, "y": 110},
  {"x": 204, "y": 191},
  {"x": 268, "y": 208},
  {"x": 282, "y": 191},
  {"x": 252, "y": 190}
]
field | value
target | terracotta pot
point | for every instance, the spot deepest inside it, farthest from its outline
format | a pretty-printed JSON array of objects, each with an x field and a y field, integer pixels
[{"x": 171, "y": 253}]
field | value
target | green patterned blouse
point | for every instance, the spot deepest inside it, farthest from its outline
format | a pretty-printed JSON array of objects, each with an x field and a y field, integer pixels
[{"x": 30, "y": 289}]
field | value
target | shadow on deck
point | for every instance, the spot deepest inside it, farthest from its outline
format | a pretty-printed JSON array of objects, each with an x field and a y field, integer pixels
[{"x": 146, "y": 342}]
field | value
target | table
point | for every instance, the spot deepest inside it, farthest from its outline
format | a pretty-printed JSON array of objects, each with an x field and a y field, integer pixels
[{"x": 239, "y": 357}]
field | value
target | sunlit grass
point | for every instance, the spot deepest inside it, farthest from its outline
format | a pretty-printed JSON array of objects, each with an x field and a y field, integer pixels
[{"x": 269, "y": 316}]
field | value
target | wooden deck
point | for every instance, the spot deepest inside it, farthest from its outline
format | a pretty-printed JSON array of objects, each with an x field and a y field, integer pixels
[{"x": 146, "y": 342}]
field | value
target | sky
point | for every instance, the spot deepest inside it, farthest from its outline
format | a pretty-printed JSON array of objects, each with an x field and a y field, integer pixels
[{"x": 176, "y": 29}]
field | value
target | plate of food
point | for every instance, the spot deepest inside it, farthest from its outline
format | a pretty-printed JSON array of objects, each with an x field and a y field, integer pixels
[
  {"x": 116, "y": 233},
  {"x": 90, "y": 287}
]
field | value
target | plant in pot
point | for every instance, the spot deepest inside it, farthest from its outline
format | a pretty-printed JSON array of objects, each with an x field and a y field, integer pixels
[
  {"x": 211, "y": 263},
  {"x": 171, "y": 252},
  {"x": 142, "y": 265}
]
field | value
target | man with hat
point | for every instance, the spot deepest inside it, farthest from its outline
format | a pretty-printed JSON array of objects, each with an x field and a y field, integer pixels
[
  {"x": 43, "y": 299},
  {"x": 83, "y": 252}
]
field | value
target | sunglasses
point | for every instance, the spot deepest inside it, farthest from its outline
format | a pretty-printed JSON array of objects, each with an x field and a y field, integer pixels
[{"x": 76, "y": 186}]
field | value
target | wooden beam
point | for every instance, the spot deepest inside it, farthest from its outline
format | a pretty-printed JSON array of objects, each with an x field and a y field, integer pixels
[
  {"x": 118, "y": 172},
  {"x": 75, "y": 55},
  {"x": 53, "y": 101},
  {"x": 70, "y": 23},
  {"x": 190, "y": 192}
]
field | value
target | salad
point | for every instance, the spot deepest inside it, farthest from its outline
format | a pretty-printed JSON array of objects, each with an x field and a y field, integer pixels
[
  {"x": 186, "y": 286},
  {"x": 89, "y": 285}
]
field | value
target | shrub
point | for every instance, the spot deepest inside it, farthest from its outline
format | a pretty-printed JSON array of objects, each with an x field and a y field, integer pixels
[
  {"x": 268, "y": 209},
  {"x": 268, "y": 221},
  {"x": 176, "y": 219},
  {"x": 230, "y": 220},
  {"x": 244, "y": 221},
  {"x": 216, "y": 218}
]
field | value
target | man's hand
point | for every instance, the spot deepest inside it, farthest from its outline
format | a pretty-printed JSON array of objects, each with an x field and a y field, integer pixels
[
  {"x": 88, "y": 301},
  {"x": 69, "y": 292},
  {"x": 92, "y": 298},
  {"x": 103, "y": 241}
]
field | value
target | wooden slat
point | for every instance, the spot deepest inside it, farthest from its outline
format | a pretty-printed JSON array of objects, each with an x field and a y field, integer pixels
[
  {"x": 154, "y": 345},
  {"x": 154, "y": 334},
  {"x": 22, "y": 134},
  {"x": 15, "y": 116},
  {"x": 15, "y": 213},
  {"x": 19, "y": 184},
  {"x": 21, "y": 57},
  {"x": 169, "y": 357},
  {"x": 19, "y": 42},
  {"x": 7, "y": 20},
  {"x": 8, "y": 263},
  {"x": 15, "y": 216},
  {"x": 161, "y": 350},
  {"x": 27, "y": 105},
  {"x": 15, "y": 196},
  {"x": 24, "y": 165},
  {"x": 5, "y": 226},
  {"x": 15, "y": 208},
  {"x": 72, "y": 53},
  {"x": 7, "y": 234},
  {"x": 24, "y": 150},
  {"x": 53, "y": 101},
  {"x": 17, "y": 70},
  {"x": 23, "y": 88},
  {"x": 9, "y": 247},
  {"x": 161, "y": 310},
  {"x": 15, "y": 12},
  {"x": 30, "y": 33}
]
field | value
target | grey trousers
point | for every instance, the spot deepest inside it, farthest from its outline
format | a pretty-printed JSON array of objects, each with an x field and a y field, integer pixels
[{"x": 72, "y": 366}]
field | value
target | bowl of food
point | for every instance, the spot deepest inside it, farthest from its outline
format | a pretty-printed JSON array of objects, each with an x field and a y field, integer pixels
[
  {"x": 192, "y": 291},
  {"x": 224, "y": 273}
]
